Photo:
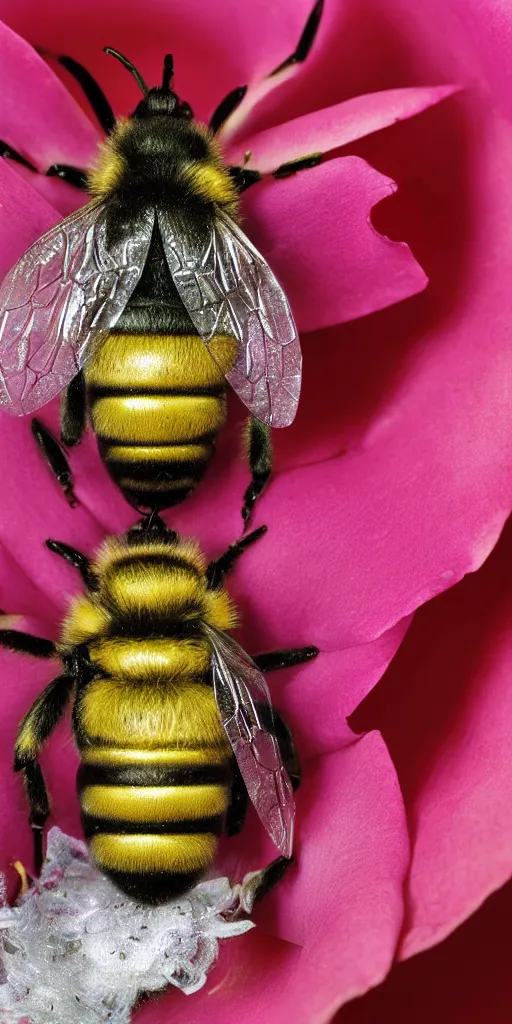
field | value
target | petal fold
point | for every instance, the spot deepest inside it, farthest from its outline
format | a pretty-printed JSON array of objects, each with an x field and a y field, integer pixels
[
  {"x": 315, "y": 231},
  {"x": 445, "y": 708},
  {"x": 38, "y": 116},
  {"x": 332, "y": 127}
]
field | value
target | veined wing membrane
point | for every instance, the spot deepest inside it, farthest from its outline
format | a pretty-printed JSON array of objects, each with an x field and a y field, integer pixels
[
  {"x": 228, "y": 288},
  {"x": 67, "y": 289},
  {"x": 239, "y": 688}
]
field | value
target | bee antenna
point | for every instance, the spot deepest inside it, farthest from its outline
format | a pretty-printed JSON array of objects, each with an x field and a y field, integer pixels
[
  {"x": 129, "y": 67},
  {"x": 168, "y": 72}
]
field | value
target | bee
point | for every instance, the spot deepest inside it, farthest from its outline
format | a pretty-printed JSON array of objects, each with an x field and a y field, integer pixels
[
  {"x": 172, "y": 719},
  {"x": 142, "y": 304}
]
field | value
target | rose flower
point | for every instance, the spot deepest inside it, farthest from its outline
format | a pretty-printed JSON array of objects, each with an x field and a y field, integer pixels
[{"x": 393, "y": 483}]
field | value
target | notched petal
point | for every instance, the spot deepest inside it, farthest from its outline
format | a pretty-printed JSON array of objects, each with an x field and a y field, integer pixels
[{"x": 315, "y": 231}]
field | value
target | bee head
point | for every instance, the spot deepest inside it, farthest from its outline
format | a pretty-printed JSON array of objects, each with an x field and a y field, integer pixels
[{"x": 160, "y": 100}]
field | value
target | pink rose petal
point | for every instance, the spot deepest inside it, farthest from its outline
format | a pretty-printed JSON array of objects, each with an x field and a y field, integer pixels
[
  {"x": 488, "y": 25},
  {"x": 332, "y": 127},
  {"x": 466, "y": 978},
  {"x": 339, "y": 912},
  {"x": 38, "y": 117},
  {"x": 364, "y": 46},
  {"x": 216, "y": 47},
  {"x": 24, "y": 215},
  {"x": 445, "y": 709},
  {"x": 330, "y": 687},
  {"x": 332, "y": 263}
]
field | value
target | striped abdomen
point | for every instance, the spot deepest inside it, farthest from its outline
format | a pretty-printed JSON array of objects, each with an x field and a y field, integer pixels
[
  {"x": 153, "y": 805},
  {"x": 157, "y": 403},
  {"x": 153, "y": 818}
]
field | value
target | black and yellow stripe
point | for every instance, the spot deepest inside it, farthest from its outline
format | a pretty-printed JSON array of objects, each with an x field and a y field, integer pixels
[
  {"x": 157, "y": 403},
  {"x": 155, "y": 778},
  {"x": 153, "y": 824},
  {"x": 156, "y": 394}
]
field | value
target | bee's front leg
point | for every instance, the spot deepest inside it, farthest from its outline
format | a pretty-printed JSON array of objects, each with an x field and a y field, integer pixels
[{"x": 72, "y": 175}]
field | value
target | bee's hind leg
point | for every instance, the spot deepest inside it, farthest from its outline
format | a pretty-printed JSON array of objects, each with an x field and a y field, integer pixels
[
  {"x": 270, "y": 718},
  {"x": 259, "y": 883},
  {"x": 55, "y": 459},
  {"x": 72, "y": 425},
  {"x": 39, "y": 808},
  {"x": 237, "y": 810},
  {"x": 73, "y": 411},
  {"x": 259, "y": 457},
  {"x": 36, "y": 727}
]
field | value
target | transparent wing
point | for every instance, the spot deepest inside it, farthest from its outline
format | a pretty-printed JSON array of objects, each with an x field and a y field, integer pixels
[
  {"x": 65, "y": 290},
  {"x": 228, "y": 288},
  {"x": 239, "y": 688}
]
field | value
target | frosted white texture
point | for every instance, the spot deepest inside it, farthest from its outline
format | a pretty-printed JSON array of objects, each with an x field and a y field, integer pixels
[{"x": 77, "y": 951}]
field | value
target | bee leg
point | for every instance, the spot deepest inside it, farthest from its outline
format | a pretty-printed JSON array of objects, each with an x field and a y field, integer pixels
[
  {"x": 218, "y": 569},
  {"x": 73, "y": 412},
  {"x": 73, "y": 175},
  {"x": 259, "y": 453},
  {"x": 274, "y": 724},
  {"x": 33, "y": 732},
  {"x": 26, "y": 643},
  {"x": 11, "y": 154},
  {"x": 257, "y": 884},
  {"x": 302, "y": 163},
  {"x": 307, "y": 38},
  {"x": 77, "y": 560},
  {"x": 286, "y": 658},
  {"x": 226, "y": 108},
  {"x": 233, "y": 99},
  {"x": 93, "y": 93},
  {"x": 56, "y": 460},
  {"x": 39, "y": 808},
  {"x": 237, "y": 810},
  {"x": 244, "y": 177}
]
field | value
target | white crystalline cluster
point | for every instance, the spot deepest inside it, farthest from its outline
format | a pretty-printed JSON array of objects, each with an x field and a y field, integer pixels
[{"x": 77, "y": 951}]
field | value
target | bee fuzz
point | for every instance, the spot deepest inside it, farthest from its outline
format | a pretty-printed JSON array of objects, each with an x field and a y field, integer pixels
[{"x": 77, "y": 951}]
